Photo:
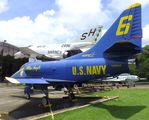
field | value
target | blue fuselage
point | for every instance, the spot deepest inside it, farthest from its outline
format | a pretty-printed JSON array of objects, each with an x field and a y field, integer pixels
[{"x": 78, "y": 70}]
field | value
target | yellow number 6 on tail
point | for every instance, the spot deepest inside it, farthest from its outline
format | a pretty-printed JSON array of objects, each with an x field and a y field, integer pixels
[{"x": 123, "y": 26}]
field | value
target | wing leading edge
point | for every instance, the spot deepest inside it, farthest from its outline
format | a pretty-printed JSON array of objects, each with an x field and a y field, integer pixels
[{"x": 36, "y": 81}]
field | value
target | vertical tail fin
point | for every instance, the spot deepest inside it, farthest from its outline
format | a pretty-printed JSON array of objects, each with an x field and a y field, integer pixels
[
  {"x": 90, "y": 35},
  {"x": 123, "y": 39}
]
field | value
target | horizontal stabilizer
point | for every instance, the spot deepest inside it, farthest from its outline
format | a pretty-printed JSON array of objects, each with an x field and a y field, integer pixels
[{"x": 127, "y": 48}]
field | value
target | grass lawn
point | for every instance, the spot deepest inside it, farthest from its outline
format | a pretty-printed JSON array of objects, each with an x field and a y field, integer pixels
[{"x": 133, "y": 104}]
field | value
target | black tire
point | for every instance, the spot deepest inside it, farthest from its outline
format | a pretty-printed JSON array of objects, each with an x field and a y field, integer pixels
[
  {"x": 71, "y": 96},
  {"x": 28, "y": 96},
  {"x": 134, "y": 85},
  {"x": 44, "y": 101}
]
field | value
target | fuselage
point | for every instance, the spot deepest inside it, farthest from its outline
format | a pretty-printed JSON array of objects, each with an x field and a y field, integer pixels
[
  {"x": 80, "y": 70},
  {"x": 108, "y": 57},
  {"x": 55, "y": 51}
]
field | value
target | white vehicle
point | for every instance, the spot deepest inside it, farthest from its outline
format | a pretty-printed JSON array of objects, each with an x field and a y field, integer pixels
[
  {"x": 124, "y": 79},
  {"x": 60, "y": 51}
]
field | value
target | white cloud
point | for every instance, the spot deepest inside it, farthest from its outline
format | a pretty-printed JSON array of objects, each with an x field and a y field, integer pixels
[
  {"x": 49, "y": 13},
  {"x": 17, "y": 30},
  {"x": 54, "y": 26},
  {"x": 144, "y": 2},
  {"x": 3, "y": 5},
  {"x": 119, "y": 5},
  {"x": 57, "y": 26},
  {"x": 145, "y": 35},
  {"x": 82, "y": 14}
]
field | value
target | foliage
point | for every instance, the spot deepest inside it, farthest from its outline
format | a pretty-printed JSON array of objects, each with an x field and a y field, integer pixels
[{"x": 142, "y": 69}]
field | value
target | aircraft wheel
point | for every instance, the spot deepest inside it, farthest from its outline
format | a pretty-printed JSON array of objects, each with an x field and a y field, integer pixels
[
  {"x": 28, "y": 96},
  {"x": 44, "y": 101},
  {"x": 71, "y": 96}
]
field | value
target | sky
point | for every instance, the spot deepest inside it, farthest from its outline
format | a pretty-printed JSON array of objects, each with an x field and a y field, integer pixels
[{"x": 44, "y": 22}]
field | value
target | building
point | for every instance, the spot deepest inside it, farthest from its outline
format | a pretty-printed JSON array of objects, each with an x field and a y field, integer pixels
[
  {"x": 9, "y": 65},
  {"x": 7, "y": 49}
]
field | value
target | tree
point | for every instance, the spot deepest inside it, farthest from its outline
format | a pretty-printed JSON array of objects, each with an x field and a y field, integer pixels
[{"x": 143, "y": 64}]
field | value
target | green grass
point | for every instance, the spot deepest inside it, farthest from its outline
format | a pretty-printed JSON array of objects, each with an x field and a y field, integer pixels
[{"x": 133, "y": 104}]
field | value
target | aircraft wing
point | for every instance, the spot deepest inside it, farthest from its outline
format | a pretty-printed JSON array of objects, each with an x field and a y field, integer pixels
[
  {"x": 115, "y": 80},
  {"x": 28, "y": 51},
  {"x": 35, "y": 80}
]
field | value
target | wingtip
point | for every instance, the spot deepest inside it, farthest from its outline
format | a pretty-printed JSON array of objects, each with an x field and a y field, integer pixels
[{"x": 12, "y": 80}]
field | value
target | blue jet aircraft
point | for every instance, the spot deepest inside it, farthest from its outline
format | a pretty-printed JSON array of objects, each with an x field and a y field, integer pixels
[{"x": 108, "y": 57}]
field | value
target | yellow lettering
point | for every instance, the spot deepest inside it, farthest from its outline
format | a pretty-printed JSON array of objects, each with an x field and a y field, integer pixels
[
  {"x": 94, "y": 70},
  {"x": 88, "y": 70},
  {"x": 104, "y": 69},
  {"x": 123, "y": 28},
  {"x": 98, "y": 70},
  {"x": 28, "y": 68},
  {"x": 81, "y": 70},
  {"x": 74, "y": 70},
  {"x": 21, "y": 72},
  {"x": 36, "y": 68}
]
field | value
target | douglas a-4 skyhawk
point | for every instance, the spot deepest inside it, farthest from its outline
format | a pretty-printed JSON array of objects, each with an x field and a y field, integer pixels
[{"x": 108, "y": 57}]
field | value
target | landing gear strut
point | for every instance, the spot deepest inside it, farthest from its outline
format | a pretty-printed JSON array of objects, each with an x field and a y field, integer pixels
[
  {"x": 27, "y": 91},
  {"x": 71, "y": 95},
  {"x": 45, "y": 99}
]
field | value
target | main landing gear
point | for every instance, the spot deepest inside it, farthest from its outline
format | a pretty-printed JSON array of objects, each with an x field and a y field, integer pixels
[
  {"x": 45, "y": 99},
  {"x": 71, "y": 95}
]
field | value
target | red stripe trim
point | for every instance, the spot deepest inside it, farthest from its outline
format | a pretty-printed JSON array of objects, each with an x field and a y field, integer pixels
[{"x": 134, "y": 37}]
